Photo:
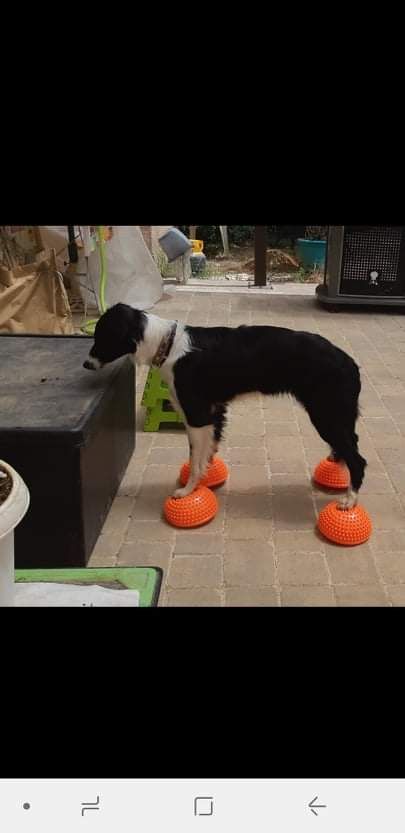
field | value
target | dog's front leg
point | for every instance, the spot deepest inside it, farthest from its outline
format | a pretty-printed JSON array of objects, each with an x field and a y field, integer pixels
[{"x": 201, "y": 446}]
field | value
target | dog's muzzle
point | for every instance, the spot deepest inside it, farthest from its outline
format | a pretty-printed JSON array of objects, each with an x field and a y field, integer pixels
[{"x": 92, "y": 364}]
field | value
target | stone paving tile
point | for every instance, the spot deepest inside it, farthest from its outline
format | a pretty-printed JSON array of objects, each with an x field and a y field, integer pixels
[
  {"x": 298, "y": 482},
  {"x": 289, "y": 466},
  {"x": 194, "y": 597},
  {"x": 300, "y": 569},
  {"x": 241, "y": 425},
  {"x": 249, "y": 506},
  {"x": 150, "y": 531},
  {"x": 351, "y": 565},
  {"x": 240, "y": 529},
  {"x": 279, "y": 448},
  {"x": 246, "y": 456},
  {"x": 168, "y": 456},
  {"x": 251, "y": 597},
  {"x": 148, "y": 508},
  {"x": 391, "y": 566},
  {"x": 132, "y": 481},
  {"x": 119, "y": 516},
  {"x": 198, "y": 543},
  {"x": 396, "y": 594},
  {"x": 195, "y": 571},
  {"x": 307, "y": 597},
  {"x": 145, "y": 554},
  {"x": 386, "y": 511},
  {"x": 176, "y": 438},
  {"x": 376, "y": 484},
  {"x": 294, "y": 510},
  {"x": 381, "y": 427},
  {"x": 282, "y": 429},
  {"x": 396, "y": 474},
  {"x": 297, "y": 542},
  {"x": 249, "y": 479},
  {"x": 249, "y": 563},
  {"x": 106, "y": 551},
  {"x": 388, "y": 541},
  {"x": 361, "y": 595},
  {"x": 233, "y": 440}
]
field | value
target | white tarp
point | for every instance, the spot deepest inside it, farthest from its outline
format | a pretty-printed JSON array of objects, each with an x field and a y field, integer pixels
[
  {"x": 51, "y": 594},
  {"x": 133, "y": 277}
]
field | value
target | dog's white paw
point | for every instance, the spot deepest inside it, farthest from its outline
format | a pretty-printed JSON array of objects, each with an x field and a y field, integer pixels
[
  {"x": 349, "y": 500},
  {"x": 179, "y": 493}
]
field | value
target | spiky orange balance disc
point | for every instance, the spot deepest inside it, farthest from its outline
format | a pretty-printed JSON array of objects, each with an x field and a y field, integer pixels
[
  {"x": 194, "y": 510},
  {"x": 216, "y": 475},
  {"x": 348, "y": 527},
  {"x": 332, "y": 475}
]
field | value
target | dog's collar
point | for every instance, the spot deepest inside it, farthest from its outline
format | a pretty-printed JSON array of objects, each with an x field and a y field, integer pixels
[{"x": 164, "y": 347}]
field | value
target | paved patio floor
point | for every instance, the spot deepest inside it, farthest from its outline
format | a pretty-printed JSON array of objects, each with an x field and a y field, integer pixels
[{"x": 263, "y": 549}]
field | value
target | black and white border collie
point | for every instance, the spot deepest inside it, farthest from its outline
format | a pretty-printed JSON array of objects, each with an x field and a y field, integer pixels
[{"x": 206, "y": 367}]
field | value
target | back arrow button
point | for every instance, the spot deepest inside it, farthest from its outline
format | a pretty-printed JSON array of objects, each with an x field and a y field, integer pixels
[{"x": 315, "y": 807}]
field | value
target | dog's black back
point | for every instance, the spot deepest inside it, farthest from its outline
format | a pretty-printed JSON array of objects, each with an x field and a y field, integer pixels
[{"x": 226, "y": 362}]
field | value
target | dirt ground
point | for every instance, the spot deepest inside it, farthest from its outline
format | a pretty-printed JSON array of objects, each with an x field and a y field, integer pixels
[
  {"x": 5, "y": 485},
  {"x": 236, "y": 261},
  {"x": 279, "y": 261}
]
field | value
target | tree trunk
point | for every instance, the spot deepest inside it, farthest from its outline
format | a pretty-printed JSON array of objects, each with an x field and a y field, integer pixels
[
  {"x": 260, "y": 255},
  {"x": 224, "y": 235}
]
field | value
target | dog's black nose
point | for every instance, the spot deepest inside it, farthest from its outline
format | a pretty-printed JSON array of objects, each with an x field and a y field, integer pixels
[{"x": 88, "y": 365}]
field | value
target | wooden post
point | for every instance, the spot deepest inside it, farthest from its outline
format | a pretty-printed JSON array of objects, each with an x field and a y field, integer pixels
[
  {"x": 260, "y": 255},
  {"x": 225, "y": 243}
]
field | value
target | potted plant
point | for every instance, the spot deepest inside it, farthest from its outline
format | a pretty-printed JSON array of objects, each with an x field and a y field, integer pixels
[
  {"x": 14, "y": 502},
  {"x": 311, "y": 249}
]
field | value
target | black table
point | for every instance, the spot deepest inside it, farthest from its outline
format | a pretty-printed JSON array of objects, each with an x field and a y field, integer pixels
[{"x": 70, "y": 434}]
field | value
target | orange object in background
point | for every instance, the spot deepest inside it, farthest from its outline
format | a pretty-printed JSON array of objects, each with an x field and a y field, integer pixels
[
  {"x": 348, "y": 527},
  {"x": 332, "y": 475},
  {"x": 216, "y": 475},
  {"x": 197, "y": 246},
  {"x": 194, "y": 510}
]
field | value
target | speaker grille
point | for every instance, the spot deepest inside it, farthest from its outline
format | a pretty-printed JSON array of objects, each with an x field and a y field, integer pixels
[{"x": 369, "y": 249}]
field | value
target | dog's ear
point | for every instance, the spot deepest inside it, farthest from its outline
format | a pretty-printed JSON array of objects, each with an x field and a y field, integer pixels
[
  {"x": 125, "y": 320},
  {"x": 122, "y": 309},
  {"x": 132, "y": 322}
]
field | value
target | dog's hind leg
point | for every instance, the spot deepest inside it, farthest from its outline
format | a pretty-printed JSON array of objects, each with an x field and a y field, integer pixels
[
  {"x": 334, "y": 457},
  {"x": 219, "y": 424},
  {"x": 346, "y": 449},
  {"x": 343, "y": 441}
]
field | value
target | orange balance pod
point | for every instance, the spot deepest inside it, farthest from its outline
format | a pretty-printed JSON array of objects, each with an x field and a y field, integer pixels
[
  {"x": 348, "y": 527},
  {"x": 216, "y": 474},
  {"x": 194, "y": 510},
  {"x": 332, "y": 475}
]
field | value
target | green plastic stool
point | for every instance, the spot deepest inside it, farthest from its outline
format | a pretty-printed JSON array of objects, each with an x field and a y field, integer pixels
[{"x": 156, "y": 400}]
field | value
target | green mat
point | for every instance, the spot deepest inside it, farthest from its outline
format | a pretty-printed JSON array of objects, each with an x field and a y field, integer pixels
[{"x": 146, "y": 580}]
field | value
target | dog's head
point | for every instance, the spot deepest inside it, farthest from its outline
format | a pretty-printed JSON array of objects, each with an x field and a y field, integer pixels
[{"x": 117, "y": 333}]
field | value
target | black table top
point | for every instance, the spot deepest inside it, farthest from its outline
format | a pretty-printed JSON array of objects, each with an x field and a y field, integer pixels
[{"x": 44, "y": 389}]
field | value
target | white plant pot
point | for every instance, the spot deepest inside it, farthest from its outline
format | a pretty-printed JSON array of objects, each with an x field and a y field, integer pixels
[{"x": 12, "y": 512}]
